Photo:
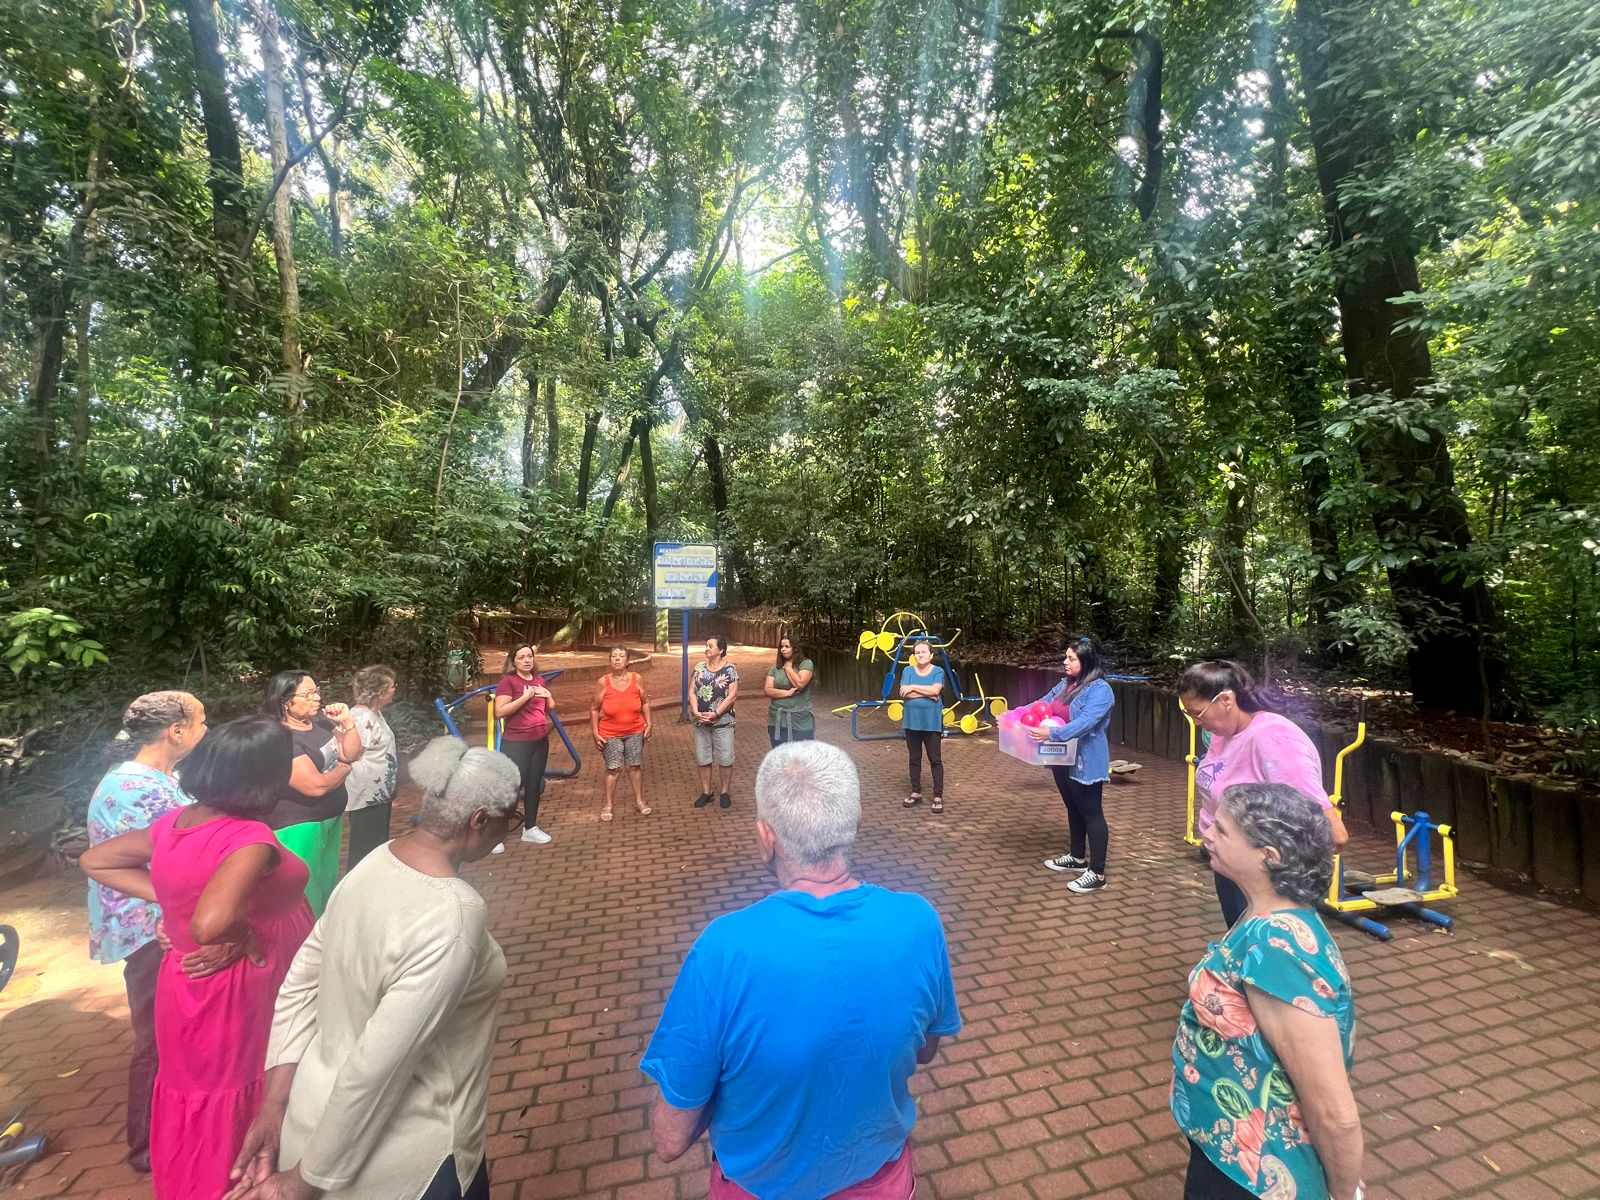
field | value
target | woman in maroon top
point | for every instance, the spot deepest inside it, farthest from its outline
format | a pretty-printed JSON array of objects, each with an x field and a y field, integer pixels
[{"x": 525, "y": 704}]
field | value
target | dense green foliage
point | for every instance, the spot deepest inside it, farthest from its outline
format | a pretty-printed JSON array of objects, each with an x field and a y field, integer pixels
[{"x": 1204, "y": 327}]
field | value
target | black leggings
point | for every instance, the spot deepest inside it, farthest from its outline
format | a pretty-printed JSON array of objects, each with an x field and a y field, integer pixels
[
  {"x": 1086, "y": 819},
  {"x": 369, "y": 829},
  {"x": 446, "y": 1186},
  {"x": 1206, "y": 1181},
  {"x": 932, "y": 740},
  {"x": 530, "y": 758}
]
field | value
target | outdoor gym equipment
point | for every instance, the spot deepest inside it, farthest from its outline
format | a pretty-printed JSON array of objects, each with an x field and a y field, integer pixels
[
  {"x": 894, "y": 639},
  {"x": 1403, "y": 890},
  {"x": 448, "y": 711}
]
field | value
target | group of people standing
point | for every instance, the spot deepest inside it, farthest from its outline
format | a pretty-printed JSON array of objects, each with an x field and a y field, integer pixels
[
  {"x": 295, "y": 1038},
  {"x": 278, "y": 1055}
]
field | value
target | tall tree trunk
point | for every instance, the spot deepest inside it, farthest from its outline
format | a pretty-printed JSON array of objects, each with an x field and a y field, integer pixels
[
  {"x": 733, "y": 550},
  {"x": 1454, "y": 662},
  {"x": 1242, "y": 628},
  {"x": 1166, "y": 477},
  {"x": 624, "y": 461},
  {"x": 647, "y": 484},
  {"x": 230, "y": 219},
  {"x": 328, "y": 154},
  {"x": 282, "y": 212},
  {"x": 591, "y": 433},
  {"x": 530, "y": 433},
  {"x": 552, "y": 442},
  {"x": 1302, "y": 336}
]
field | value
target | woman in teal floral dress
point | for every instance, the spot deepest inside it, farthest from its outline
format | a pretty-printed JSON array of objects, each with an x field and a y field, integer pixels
[{"x": 1261, "y": 1063}]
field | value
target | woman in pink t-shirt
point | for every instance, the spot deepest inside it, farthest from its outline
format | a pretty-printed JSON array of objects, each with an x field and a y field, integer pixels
[
  {"x": 523, "y": 700},
  {"x": 1249, "y": 744}
]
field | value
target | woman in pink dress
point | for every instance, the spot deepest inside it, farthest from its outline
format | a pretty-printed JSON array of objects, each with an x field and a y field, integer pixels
[{"x": 221, "y": 878}]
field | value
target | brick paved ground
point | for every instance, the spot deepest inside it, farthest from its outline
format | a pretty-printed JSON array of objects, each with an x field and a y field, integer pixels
[{"x": 1479, "y": 1051}]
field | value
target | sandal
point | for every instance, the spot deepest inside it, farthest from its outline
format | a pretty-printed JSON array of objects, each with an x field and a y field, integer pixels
[
  {"x": 644, "y": 809},
  {"x": 605, "y": 814},
  {"x": 937, "y": 806},
  {"x": 911, "y": 802}
]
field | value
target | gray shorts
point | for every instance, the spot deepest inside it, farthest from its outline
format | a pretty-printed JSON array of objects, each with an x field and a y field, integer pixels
[
  {"x": 713, "y": 744},
  {"x": 628, "y": 749}
]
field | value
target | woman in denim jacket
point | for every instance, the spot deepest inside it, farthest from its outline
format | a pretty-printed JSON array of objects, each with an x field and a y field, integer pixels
[{"x": 1090, "y": 699}]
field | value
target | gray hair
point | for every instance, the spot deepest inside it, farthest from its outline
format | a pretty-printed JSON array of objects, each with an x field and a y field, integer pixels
[
  {"x": 809, "y": 795},
  {"x": 152, "y": 714},
  {"x": 456, "y": 782},
  {"x": 1285, "y": 819}
]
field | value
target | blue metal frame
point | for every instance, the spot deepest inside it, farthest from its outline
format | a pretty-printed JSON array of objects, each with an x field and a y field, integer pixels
[{"x": 448, "y": 710}]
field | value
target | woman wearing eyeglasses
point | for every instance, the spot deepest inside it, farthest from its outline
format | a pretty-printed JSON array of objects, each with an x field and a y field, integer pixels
[
  {"x": 378, "y": 1069},
  {"x": 1249, "y": 744},
  {"x": 310, "y": 816}
]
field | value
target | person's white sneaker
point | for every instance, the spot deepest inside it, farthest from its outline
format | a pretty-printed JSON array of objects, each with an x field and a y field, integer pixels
[{"x": 535, "y": 835}]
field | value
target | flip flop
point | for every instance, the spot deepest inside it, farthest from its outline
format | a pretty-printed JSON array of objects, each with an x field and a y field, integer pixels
[{"x": 605, "y": 814}]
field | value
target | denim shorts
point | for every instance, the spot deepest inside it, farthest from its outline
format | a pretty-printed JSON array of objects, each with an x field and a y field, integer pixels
[{"x": 713, "y": 744}]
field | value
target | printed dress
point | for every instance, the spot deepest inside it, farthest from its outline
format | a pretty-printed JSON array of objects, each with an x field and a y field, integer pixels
[
  {"x": 212, "y": 1032},
  {"x": 1230, "y": 1093}
]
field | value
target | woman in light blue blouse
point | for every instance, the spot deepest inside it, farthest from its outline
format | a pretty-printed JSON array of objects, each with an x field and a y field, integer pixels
[
  {"x": 1261, "y": 1063},
  {"x": 159, "y": 729}
]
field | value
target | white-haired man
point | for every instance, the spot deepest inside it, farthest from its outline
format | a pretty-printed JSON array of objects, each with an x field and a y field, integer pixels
[{"x": 795, "y": 1023}]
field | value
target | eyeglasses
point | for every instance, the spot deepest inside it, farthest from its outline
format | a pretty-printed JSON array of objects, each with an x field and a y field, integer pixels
[{"x": 1195, "y": 716}]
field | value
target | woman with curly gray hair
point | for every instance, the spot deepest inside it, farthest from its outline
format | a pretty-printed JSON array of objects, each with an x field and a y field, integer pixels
[
  {"x": 378, "y": 1068},
  {"x": 1261, "y": 1063}
]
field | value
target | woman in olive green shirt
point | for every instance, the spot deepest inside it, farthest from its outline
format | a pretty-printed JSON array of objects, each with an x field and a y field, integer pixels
[{"x": 788, "y": 685}]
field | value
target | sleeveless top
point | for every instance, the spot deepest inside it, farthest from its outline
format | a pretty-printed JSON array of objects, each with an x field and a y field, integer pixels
[{"x": 621, "y": 709}]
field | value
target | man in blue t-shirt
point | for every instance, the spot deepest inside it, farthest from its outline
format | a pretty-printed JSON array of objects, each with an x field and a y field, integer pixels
[{"x": 796, "y": 1022}]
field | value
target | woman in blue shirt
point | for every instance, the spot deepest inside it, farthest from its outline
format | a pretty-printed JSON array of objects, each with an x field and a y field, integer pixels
[
  {"x": 921, "y": 685},
  {"x": 1090, "y": 699}
]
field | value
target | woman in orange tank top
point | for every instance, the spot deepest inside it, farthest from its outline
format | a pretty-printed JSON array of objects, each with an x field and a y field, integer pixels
[{"x": 620, "y": 717}]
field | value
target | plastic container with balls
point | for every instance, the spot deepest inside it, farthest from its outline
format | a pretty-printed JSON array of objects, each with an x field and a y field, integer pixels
[{"x": 1013, "y": 724}]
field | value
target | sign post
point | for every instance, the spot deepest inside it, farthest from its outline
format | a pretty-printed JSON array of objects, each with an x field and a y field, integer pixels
[{"x": 685, "y": 578}]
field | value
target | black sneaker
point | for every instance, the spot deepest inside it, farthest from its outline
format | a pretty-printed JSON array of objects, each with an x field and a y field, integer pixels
[
  {"x": 1087, "y": 882},
  {"x": 1066, "y": 862},
  {"x": 703, "y": 799},
  {"x": 726, "y": 800}
]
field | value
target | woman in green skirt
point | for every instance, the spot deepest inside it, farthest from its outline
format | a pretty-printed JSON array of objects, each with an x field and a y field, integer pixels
[{"x": 309, "y": 817}]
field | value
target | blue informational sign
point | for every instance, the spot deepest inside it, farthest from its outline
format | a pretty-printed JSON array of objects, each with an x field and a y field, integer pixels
[{"x": 685, "y": 575}]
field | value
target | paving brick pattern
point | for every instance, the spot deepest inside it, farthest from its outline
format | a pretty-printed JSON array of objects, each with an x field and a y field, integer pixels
[{"x": 1478, "y": 1054}]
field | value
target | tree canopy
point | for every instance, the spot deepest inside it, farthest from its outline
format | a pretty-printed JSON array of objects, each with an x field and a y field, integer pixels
[{"x": 1206, "y": 328}]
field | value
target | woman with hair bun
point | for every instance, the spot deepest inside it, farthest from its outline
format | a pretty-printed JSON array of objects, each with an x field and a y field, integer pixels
[
  {"x": 1249, "y": 744},
  {"x": 378, "y": 1079},
  {"x": 159, "y": 729},
  {"x": 221, "y": 878}
]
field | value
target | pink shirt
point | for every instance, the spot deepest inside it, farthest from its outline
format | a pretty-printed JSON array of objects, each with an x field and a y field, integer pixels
[
  {"x": 530, "y": 722},
  {"x": 1271, "y": 749}
]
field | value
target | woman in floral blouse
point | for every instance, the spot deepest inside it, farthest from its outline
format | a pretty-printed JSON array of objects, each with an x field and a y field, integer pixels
[
  {"x": 158, "y": 730},
  {"x": 1261, "y": 1082}
]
